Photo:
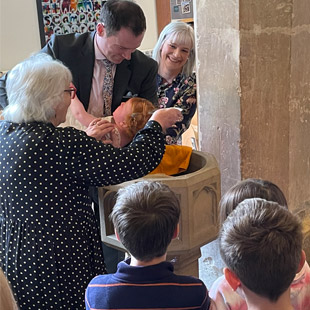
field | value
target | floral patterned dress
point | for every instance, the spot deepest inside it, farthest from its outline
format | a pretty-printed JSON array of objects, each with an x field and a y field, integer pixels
[{"x": 180, "y": 93}]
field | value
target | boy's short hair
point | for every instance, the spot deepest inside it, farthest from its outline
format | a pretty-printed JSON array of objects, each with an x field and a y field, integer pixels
[
  {"x": 249, "y": 188},
  {"x": 145, "y": 216},
  {"x": 261, "y": 242}
]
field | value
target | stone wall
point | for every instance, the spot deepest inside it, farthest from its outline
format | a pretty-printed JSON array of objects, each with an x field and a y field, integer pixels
[
  {"x": 265, "y": 55},
  {"x": 254, "y": 90},
  {"x": 217, "y": 46}
]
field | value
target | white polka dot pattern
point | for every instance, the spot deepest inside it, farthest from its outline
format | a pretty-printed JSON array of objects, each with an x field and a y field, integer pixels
[{"x": 50, "y": 245}]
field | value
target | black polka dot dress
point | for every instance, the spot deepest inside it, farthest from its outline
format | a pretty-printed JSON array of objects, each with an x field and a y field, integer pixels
[{"x": 50, "y": 244}]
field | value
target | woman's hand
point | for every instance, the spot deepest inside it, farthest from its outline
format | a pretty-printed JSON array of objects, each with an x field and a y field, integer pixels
[
  {"x": 98, "y": 128},
  {"x": 167, "y": 117}
]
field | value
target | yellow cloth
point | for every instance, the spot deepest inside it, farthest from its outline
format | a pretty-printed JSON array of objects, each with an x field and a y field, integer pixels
[{"x": 175, "y": 160}]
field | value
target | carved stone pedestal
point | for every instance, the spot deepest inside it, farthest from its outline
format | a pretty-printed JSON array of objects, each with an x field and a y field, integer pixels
[
  {"x": 199, "y": 193},
  {"x": 185, "y": 262}
]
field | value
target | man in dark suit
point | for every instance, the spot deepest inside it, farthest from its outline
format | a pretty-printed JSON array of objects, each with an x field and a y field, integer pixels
[{"x": 119, "y": 32}]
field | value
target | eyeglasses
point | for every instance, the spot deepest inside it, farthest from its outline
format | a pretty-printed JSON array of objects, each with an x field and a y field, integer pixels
[{"x": 72, "y": 91}]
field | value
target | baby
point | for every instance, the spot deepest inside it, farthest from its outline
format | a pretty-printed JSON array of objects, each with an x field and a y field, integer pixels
[{"x": 127, "y": 120}]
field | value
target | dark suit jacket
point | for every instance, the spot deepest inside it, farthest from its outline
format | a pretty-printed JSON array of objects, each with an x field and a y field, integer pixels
[{"x": 76, "y": 51}]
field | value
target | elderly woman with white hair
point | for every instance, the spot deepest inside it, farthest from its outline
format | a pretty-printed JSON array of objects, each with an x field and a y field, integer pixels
[
  {"x": 50, "y": 244},
  {"x": 176, "y": 81}
]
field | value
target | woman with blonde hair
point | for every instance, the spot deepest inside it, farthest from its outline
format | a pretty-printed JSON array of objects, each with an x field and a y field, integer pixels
[{"x": 176, "y": 81}]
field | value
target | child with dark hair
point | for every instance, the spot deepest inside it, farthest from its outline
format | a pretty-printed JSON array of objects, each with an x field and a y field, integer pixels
[
  {"x": 145, "y": 218},
  {"x": 249, "y": 188},
  {"x": 261, "y": 245},
  {"x": 221, "y": 292}
]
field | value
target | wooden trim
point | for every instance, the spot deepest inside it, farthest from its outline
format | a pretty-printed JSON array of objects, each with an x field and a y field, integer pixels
[
  {"x": 187, "y": 20},
  {"x": 163, "y": 14}
]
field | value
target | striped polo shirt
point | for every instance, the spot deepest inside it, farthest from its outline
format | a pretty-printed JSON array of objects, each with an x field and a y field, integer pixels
[{"x": 146, "y": 287}]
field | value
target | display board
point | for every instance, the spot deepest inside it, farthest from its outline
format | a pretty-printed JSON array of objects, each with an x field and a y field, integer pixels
[{"x": 67, "y": 16}]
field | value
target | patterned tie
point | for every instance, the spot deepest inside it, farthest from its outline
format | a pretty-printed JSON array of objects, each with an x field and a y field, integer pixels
[{"x": 107, "y": 89}]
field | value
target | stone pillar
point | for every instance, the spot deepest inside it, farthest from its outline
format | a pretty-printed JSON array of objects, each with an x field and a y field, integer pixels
[
  {"x": 218, "y": 66},
  {"x": 254, "y": 90},
  {"x": 299, "y": 107},
  {"x": 265, "y": 63}
]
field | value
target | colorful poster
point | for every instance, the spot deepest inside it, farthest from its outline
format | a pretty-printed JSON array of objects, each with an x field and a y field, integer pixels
[{"x": 67, "y": 16}]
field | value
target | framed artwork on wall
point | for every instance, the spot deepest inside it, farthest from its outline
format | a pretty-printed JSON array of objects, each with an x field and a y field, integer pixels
[
  {"x": 67, "y": 16},
  {"x": 182, "y": 10}
]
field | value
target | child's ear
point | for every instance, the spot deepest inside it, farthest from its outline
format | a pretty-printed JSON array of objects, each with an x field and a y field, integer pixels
[
  {"x": 231, "y": 278},
  {"x": 176, "y": 232},
  {"x": 302, "y": 260}
]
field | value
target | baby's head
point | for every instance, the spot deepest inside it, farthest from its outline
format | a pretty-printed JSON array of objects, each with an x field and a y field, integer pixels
[
  {"x": 133, "y": 114},
  {"x": 249, "y": 188}
]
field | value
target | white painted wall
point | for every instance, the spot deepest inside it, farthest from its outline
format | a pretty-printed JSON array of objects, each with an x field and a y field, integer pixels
[
  {"x": 19, "y": 30},
  {"x": 149, "y": 9}
]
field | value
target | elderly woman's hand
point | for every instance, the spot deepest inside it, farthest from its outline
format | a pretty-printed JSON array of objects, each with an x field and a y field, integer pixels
[
  {"x": 98, "y": 128},
  {"x": 167, "y": 117}
]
